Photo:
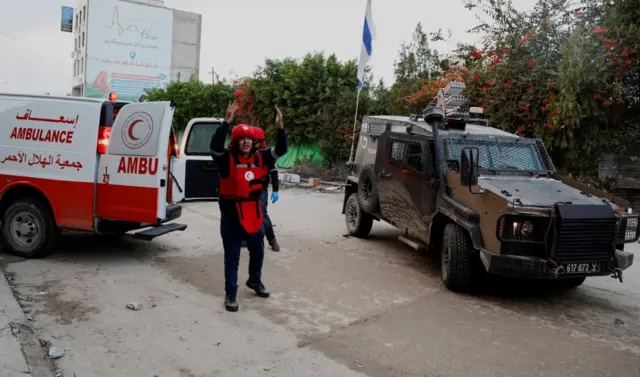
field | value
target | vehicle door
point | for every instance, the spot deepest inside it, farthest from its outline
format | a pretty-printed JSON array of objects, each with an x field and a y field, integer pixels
[
  {"x": 389, "y": 157},
  {"x": 132, "y": 175},
  {"x": 417, "y": 173},
  {"x": 405, "y": 184},
  {"x": 196, "y": 171}
]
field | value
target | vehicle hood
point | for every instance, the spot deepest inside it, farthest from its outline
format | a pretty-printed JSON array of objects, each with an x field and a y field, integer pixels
[{"x": 537, "y": 191}]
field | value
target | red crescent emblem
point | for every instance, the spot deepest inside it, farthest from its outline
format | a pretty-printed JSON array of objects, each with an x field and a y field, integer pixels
[{"x": 133, "y": 124}]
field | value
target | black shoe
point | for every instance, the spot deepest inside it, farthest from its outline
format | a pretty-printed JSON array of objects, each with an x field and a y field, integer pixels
[
  {"x": 274, "y": 245},
  {"x": 259, "y": 288},
  {"x": 230, "y": 304}
]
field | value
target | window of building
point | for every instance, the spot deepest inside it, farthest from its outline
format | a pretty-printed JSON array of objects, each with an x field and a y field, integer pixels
[
  {"x": 397, "y": 151},
  {"x": 83, "y": 39},
  {"x": 81, "y": 64},
  {"x": 76, "y": 24},
  {"x": 84, "y": 13}
]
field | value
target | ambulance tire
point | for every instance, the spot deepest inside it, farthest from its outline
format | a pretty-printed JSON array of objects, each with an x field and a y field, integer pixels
[{"x": 48, "y": 232}]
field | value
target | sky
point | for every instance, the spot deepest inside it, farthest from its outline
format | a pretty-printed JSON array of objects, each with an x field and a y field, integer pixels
[{"x": 237, "y": 35}]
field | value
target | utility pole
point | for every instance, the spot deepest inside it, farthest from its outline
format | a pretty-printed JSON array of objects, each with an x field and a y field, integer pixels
[{"x": 213, "y": 76}]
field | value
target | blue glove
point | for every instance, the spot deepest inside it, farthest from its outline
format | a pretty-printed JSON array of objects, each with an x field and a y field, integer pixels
[{"x": 274, "y": 197}]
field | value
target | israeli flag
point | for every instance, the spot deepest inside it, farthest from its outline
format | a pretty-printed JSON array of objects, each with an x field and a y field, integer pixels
[{"x": 368, "y": 35}]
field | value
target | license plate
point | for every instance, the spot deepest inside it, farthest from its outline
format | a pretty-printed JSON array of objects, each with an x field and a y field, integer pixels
[{"x": 581, "y": 268}]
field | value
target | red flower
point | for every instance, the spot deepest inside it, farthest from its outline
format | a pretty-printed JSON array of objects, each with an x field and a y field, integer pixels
[
  {"x": 490, "y": 54},
  {"x": 553, "y": 83},
  {"x": 476, "y": 78},
  {"x": 532, "y": 62},
  {"x": 526, "y": 38},
  {"x": 600, "y": 30},
  {"x": 475, "y": 54},
  {"x": 484, "y": 89},
  {"x": 530, "y": 90}
]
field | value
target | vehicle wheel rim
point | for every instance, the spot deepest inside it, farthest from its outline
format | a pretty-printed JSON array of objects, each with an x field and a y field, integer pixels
[
  {"x": 25, "y": 229},
  {"x": 445, "y": 258},
  {"x": 367, "y": 188},
  {"x": 352, "y": 214}
]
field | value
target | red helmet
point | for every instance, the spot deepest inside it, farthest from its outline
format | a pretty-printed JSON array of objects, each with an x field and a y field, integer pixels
[
  {"x": 240, "y": 131},
  {"x": 258, "y": 136}
]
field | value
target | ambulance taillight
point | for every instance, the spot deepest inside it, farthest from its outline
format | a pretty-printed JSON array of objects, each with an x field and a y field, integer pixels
[
  {"x": 103, "y": 139},
  {"x": 176, "y": 148}
]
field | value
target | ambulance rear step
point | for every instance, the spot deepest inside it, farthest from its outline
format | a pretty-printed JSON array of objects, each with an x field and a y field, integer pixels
[{"x": 160, "y": 230}]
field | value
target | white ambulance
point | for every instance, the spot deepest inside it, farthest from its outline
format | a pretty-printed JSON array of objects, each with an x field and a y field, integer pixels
[{"x": 80, "y": 164}]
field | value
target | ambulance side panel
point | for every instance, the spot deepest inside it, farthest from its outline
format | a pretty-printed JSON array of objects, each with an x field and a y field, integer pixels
[
  {"x": 50, "y": 144},
  {"x": 132, "y": 183}
]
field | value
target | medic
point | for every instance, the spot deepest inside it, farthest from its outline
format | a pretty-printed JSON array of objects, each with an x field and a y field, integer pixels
[
  {"x": 243, "y": 169},
  {"x": 272, "y": 177}
]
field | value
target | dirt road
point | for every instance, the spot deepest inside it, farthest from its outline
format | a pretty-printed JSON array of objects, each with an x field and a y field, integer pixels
[{"x": 339, "y": 307}]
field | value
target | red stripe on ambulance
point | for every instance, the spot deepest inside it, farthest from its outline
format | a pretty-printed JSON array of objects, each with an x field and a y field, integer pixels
[{"x": 138, "y": 165}]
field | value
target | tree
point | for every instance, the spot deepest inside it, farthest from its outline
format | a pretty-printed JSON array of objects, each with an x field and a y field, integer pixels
[
  {"x": 555, "y": 73},
  {"x": 193, "y": 99},
  {"x": 417, "y": 65}
]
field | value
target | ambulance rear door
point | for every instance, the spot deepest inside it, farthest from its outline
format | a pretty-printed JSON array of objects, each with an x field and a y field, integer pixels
[
  {"x": 132, "y": 175},
  {"x": 197, "y": 172}
]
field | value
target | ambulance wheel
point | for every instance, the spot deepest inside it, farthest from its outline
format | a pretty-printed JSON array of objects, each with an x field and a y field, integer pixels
[{"x": 28, "y": 228}]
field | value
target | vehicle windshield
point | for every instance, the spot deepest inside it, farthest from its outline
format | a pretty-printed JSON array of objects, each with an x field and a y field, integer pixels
[{"x": 495, "y": 154}]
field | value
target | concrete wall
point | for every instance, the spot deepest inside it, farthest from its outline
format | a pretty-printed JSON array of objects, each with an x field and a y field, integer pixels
[{"x": 185, "y": 56}]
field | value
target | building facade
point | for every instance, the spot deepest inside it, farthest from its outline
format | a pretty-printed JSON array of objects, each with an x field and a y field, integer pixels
[{"x": 127, "y": 46}]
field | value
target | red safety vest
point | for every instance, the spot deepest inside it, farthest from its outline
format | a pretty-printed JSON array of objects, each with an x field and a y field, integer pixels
[{"x": 243, "y": 186}]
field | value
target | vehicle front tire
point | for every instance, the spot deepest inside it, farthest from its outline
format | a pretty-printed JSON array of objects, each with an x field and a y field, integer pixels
[
  {"x": 457, "y": 259},
  {"x": 29, "y": 229},
  {"x": 358, "y": 222},
  {"x": 367, "y": 190}
]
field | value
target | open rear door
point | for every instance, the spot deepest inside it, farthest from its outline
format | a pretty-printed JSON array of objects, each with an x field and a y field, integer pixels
[
  {"x": 197, "y": 171},
  {"x": 132, "y": 175}
]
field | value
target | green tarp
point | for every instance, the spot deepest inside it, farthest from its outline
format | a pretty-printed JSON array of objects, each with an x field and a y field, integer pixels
[{"x": 300, "y": 154}]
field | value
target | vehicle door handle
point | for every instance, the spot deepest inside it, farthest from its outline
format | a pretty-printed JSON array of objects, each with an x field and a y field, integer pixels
[{"x": 384, "y": 175}]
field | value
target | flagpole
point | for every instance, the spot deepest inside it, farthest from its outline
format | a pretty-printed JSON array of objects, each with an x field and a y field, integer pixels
[{"x": 355, "y": 125}]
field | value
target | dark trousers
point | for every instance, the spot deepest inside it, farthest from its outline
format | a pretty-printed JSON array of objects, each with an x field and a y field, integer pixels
[
  {"x": 232, "y": 236},
  {"x": 268, "y": 226}
]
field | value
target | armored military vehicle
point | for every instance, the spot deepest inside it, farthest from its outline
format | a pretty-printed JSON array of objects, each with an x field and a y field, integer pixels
[{"x": 485, "y": 199}]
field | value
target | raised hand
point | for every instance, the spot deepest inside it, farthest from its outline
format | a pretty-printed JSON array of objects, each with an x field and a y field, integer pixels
[
  {"x": 232, "y": 107},
  {"x": 279, "y": 120}
]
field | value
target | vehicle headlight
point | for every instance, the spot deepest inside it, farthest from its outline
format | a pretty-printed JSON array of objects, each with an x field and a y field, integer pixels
[
  {"x": 631, "y": 229},
  {"x": 522, "y": 228},
  {"x": 525, "y": 227}
]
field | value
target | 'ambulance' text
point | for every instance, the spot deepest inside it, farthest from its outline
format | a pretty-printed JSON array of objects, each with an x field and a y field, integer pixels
[
  {"x": 138, "y": 165},
  {"x": 37, "y": 134}
]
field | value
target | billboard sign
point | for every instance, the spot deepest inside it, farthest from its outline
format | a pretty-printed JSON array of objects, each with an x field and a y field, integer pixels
[
  {"x": 128, "y": 49},
  {"x": 66, "y": 19}
]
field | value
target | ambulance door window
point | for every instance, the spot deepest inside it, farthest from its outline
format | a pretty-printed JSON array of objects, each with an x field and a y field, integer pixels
[{"x": 201, "y": 173}]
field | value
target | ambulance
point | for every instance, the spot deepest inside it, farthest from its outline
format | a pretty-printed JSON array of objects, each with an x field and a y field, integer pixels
[{"x": 81, "y": 164}]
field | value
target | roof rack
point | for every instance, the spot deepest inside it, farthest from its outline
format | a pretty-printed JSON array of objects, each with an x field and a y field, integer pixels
[{"x": 456, "y": 107}]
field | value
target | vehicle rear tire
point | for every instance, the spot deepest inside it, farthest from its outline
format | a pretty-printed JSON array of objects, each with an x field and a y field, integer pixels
[
  {"x": 570, "y": 283},
  {"x": 29, "y": 229},
  {"x": 367, "y": 190},
  {"x": 457, "y": 259},
  {"x": 358, "y": 222}
]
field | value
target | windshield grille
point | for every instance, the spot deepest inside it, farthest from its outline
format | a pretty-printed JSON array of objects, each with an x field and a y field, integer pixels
[{"x": 499, "y": 155}]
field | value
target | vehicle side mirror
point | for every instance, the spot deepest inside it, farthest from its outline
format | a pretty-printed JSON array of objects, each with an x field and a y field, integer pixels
[{"x": 469, "y": 166}]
